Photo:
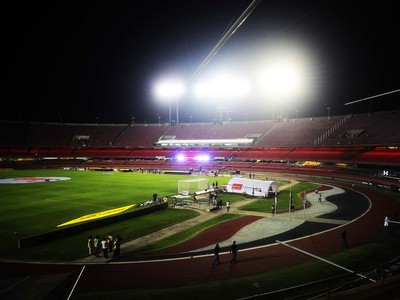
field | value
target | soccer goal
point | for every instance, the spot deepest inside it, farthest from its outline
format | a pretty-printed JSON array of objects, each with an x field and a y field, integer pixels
[{"x": 192, "y": 185}]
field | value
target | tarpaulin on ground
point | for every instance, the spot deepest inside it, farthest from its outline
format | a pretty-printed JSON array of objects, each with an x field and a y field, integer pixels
[{"x": 252, "y": 187}]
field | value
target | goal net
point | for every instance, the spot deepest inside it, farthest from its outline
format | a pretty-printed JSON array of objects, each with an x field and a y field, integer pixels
[{"x": 192, "y": 185}]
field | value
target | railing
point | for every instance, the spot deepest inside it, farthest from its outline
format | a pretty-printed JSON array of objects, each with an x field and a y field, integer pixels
[
  {"x": 326, "y": 134},
  {"x": 325, "y": 288}
]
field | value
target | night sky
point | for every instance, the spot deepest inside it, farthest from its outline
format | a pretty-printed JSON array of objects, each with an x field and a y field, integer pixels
[{"x": 89, "y": 61}]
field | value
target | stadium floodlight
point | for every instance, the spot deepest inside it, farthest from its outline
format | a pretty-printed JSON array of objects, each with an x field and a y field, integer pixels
[
  {"x": 284, "y": 75},
  {"x": 281, "y": 79},
  {"x": 170, "y": 89},
  {"x": 224, "y": 87}
]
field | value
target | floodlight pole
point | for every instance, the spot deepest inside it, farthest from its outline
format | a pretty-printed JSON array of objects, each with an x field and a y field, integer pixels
[
  {"x": 169, "y": 118},
  {"x": 290, "y": 204},
  {"x": 177, "y": 111}
]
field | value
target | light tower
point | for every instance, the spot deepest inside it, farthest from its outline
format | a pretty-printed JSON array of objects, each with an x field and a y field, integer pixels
[{"x": 170, "y": 90}]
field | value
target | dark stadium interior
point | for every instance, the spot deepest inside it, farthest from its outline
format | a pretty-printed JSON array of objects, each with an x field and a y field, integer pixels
[{"x": 78, "y": 92}]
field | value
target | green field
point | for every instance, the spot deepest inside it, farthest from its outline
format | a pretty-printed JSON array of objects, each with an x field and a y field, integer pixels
[
  {"x": 29, "y": 209},
  {"x": 34, "y": 208}
]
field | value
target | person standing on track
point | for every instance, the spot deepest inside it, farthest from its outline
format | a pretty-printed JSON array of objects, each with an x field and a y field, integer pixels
[
  {"x": 234, "y": 251},
  {"x": 117, "y": 246},
  {"x": 96, "y": 244},
  {"x": 344, "y": 239},
  {"x": 104, "y": 246},
  {"x": 110, "y": 242},
  {"x": 216, "y": 254},
  {"x": 89, "y": 244},
  {"x": 386, "y": 223}
]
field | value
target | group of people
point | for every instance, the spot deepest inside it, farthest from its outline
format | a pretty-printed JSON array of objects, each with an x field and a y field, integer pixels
[
  {"x": 233, "y": 250},
  {"x": 159, "y": 200},
  {"x": 217, "y": 202},
  {"x": 106, "y": 245}
]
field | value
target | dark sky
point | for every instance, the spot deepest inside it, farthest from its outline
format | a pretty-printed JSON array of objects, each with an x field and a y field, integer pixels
[{"x": 79, "y": 61}]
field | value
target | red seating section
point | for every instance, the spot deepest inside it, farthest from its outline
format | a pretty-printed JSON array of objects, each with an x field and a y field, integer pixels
[{"x": 277, "y": 146}]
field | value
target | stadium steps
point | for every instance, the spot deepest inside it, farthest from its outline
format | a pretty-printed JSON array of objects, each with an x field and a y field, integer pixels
[
  {"x": 115, "y": 141},
  {"x": 264, "y": 135}
]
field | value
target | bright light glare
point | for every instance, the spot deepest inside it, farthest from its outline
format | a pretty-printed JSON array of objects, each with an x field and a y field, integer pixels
[
  {"x": 169, "y": 89},
  {"x": 283, "y": 75},
  {"x": 278, "y": 79},
  {"x": 180, "y": 157},
  {"x": 223, "y": 87},
  {"x": 202, "y": 157}
]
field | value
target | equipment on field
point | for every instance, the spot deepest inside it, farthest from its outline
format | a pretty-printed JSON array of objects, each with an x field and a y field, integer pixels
[
  {"x": 192, "y": 185},
  {"x": 258, "y": 188}
]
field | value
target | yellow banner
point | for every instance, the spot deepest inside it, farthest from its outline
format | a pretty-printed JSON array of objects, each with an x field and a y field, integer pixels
[{"x": 98, "y": 215}]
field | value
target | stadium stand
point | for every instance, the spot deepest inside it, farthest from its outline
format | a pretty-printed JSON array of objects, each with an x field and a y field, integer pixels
[
  {"x": 323, "y": 154},
  {"x": 368, "y": 129},
  {"x": 190, "y": 131},
  {"x": 339, "y": 144},
  {"x": 141, "y": 135},
  {"x": 380, "y": 156},
  {"x": 12, "y": 133},
  {"x": 264, "y": 154},
  {"x": 296, "y": 132}
]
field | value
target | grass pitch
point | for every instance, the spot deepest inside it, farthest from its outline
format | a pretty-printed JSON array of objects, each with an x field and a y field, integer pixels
[
  {"x": 28, "y": 209},
  {"x": 33, "y": 208}
]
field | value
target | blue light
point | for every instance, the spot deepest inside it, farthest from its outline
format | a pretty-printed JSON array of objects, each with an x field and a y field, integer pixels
[{"x": 180, "y": 157}]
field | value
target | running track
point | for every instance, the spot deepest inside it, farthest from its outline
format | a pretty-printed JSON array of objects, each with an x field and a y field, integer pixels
[{"x": 184, "y": 271}]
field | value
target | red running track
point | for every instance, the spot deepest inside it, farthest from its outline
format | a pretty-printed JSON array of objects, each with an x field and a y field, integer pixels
[{"x": 168, "y": 273}]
